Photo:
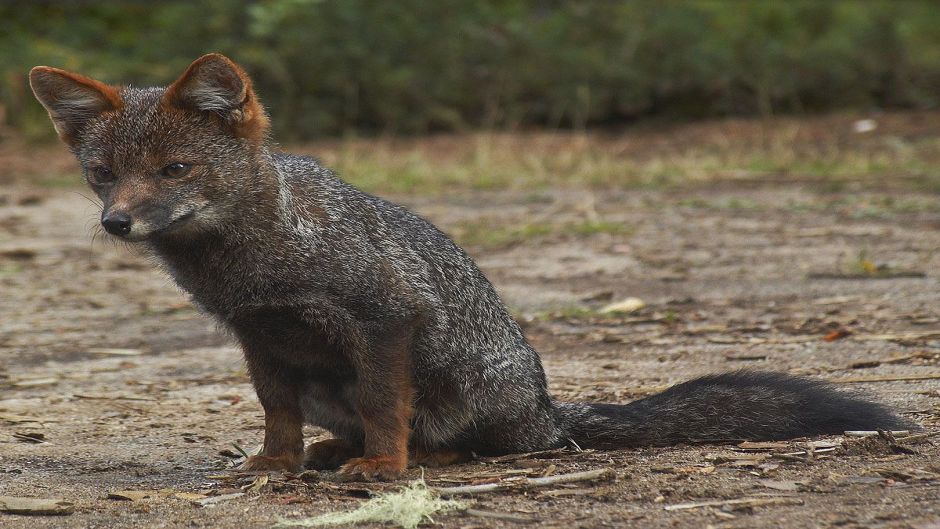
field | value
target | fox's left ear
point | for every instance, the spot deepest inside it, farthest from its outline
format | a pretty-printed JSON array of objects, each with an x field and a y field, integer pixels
[
  {"x": 72, "y": 100},
  {"x": 215, "y": 84}
]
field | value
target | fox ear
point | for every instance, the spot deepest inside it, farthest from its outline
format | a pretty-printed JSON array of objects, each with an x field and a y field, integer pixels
[
  {"x": 215, "y": 84},
  {"x": 71, "y": 99}
]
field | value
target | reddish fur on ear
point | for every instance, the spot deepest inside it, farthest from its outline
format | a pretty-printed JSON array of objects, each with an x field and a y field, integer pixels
[
  {"x": 214, "y": 83},
  {"x": 72, "y": 99}
]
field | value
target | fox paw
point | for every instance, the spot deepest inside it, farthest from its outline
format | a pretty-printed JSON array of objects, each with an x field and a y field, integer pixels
[
  {"x": 285, "y": 463},
  {"x": 329, "y": 454},
  {"x": 382, "y": 468}
]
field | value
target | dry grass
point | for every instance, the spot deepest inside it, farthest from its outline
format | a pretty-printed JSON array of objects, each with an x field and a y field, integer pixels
[{"x": 904, "y": 150}]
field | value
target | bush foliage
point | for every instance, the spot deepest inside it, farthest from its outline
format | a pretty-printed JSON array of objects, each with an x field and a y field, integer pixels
[{"x": 413, "y": 66}]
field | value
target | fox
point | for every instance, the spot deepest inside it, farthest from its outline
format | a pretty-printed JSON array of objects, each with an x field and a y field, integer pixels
[{"x": 356, "y": 315}]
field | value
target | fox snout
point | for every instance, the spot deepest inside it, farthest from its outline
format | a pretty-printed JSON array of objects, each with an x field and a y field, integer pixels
[
  {"x": 117, "y": 223},
  {"x": 144, "y": 220},
  {"x": 122, "y": 222}
]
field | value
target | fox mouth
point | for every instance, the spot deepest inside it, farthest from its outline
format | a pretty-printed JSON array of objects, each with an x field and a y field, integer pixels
[
  {"x": 177, "y": 222},
  {"x": 172, "y": 226}
]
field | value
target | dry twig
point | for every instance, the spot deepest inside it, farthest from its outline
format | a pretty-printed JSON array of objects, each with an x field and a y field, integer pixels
[
  {"x": 741, "y": 502},
  {"x": 590, "y": 475}
]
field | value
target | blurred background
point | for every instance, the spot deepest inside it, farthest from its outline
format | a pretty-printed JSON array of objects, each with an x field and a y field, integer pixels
[{"x": 355, "y": 75}]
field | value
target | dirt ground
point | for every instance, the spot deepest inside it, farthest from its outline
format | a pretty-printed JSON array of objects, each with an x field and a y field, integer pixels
[{"x": 127, "y": 388}]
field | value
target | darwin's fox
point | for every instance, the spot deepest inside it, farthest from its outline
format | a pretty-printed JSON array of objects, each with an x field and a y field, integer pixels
[{"x": 355, "y": 314}]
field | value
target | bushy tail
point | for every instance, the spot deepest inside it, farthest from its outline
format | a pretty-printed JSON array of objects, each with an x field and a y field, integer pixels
[{"x": 735, "y": 406}]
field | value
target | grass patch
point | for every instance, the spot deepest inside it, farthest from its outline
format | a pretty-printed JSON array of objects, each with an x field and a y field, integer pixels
[
  {"x": 722, "y": 204},
  {"x": 822, "y": 151},
  {"x": 60, "y": 180},
  {"x": 494, "y": 234},
  {"x": 10, "y": 269}
]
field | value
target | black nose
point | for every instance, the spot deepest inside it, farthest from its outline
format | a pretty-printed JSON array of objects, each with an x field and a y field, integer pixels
[{"x": 117, "y": 223}]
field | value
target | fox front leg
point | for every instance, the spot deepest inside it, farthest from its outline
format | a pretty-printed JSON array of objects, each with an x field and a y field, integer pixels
[
  {"x": 283, "y": 419},
  {"x": 385, "y": 404}
]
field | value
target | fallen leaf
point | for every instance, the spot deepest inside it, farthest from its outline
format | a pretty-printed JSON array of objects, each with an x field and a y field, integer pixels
[
  {"x": 788, "y": 486},
  {"x": 836, "y": 335},
  {"x": 625, "y": 306},
  {"x": 133, "y": 495},
  {"x": 257, "y": 484}
]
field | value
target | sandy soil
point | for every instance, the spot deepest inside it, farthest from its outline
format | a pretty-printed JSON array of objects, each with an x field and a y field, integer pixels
[{"x": 131, "y": 389}]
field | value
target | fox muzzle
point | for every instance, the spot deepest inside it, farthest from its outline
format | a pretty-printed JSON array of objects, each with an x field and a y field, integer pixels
[{"x": 117, "y": 223}]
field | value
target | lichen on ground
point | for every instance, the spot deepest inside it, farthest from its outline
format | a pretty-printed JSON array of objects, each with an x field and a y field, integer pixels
[{"x": 406, "y": 508}]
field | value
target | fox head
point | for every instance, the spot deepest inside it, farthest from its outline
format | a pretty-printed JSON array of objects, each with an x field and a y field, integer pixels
[{"x": 162, "y": 160}]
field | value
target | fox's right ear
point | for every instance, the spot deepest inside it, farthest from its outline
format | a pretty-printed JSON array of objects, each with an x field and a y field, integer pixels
[
  {"x": 71, "y": 99},
  {"x": 216, "y": 85}
]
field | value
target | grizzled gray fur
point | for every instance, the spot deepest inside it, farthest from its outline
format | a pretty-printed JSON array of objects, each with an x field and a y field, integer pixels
[{"x": 355, "y": 314}]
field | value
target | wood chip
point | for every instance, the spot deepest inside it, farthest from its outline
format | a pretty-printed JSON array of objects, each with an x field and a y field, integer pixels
[
  {"x": 35, "y": 506},
  {"x": 624, "y": 306},
  {"x": 763, "y": 445},
  {"x": 836, "y": 300},
  {"x": 786, "y": 486},
  {"x": 35, "y": 382},
  {"x": 114, "y": 351},
  {"x": 868, "y": 433}
]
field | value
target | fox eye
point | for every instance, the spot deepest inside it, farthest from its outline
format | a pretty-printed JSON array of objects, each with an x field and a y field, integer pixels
[
  {"x": 176, "y": 170},
  {"x": 102, "y": 175}
]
